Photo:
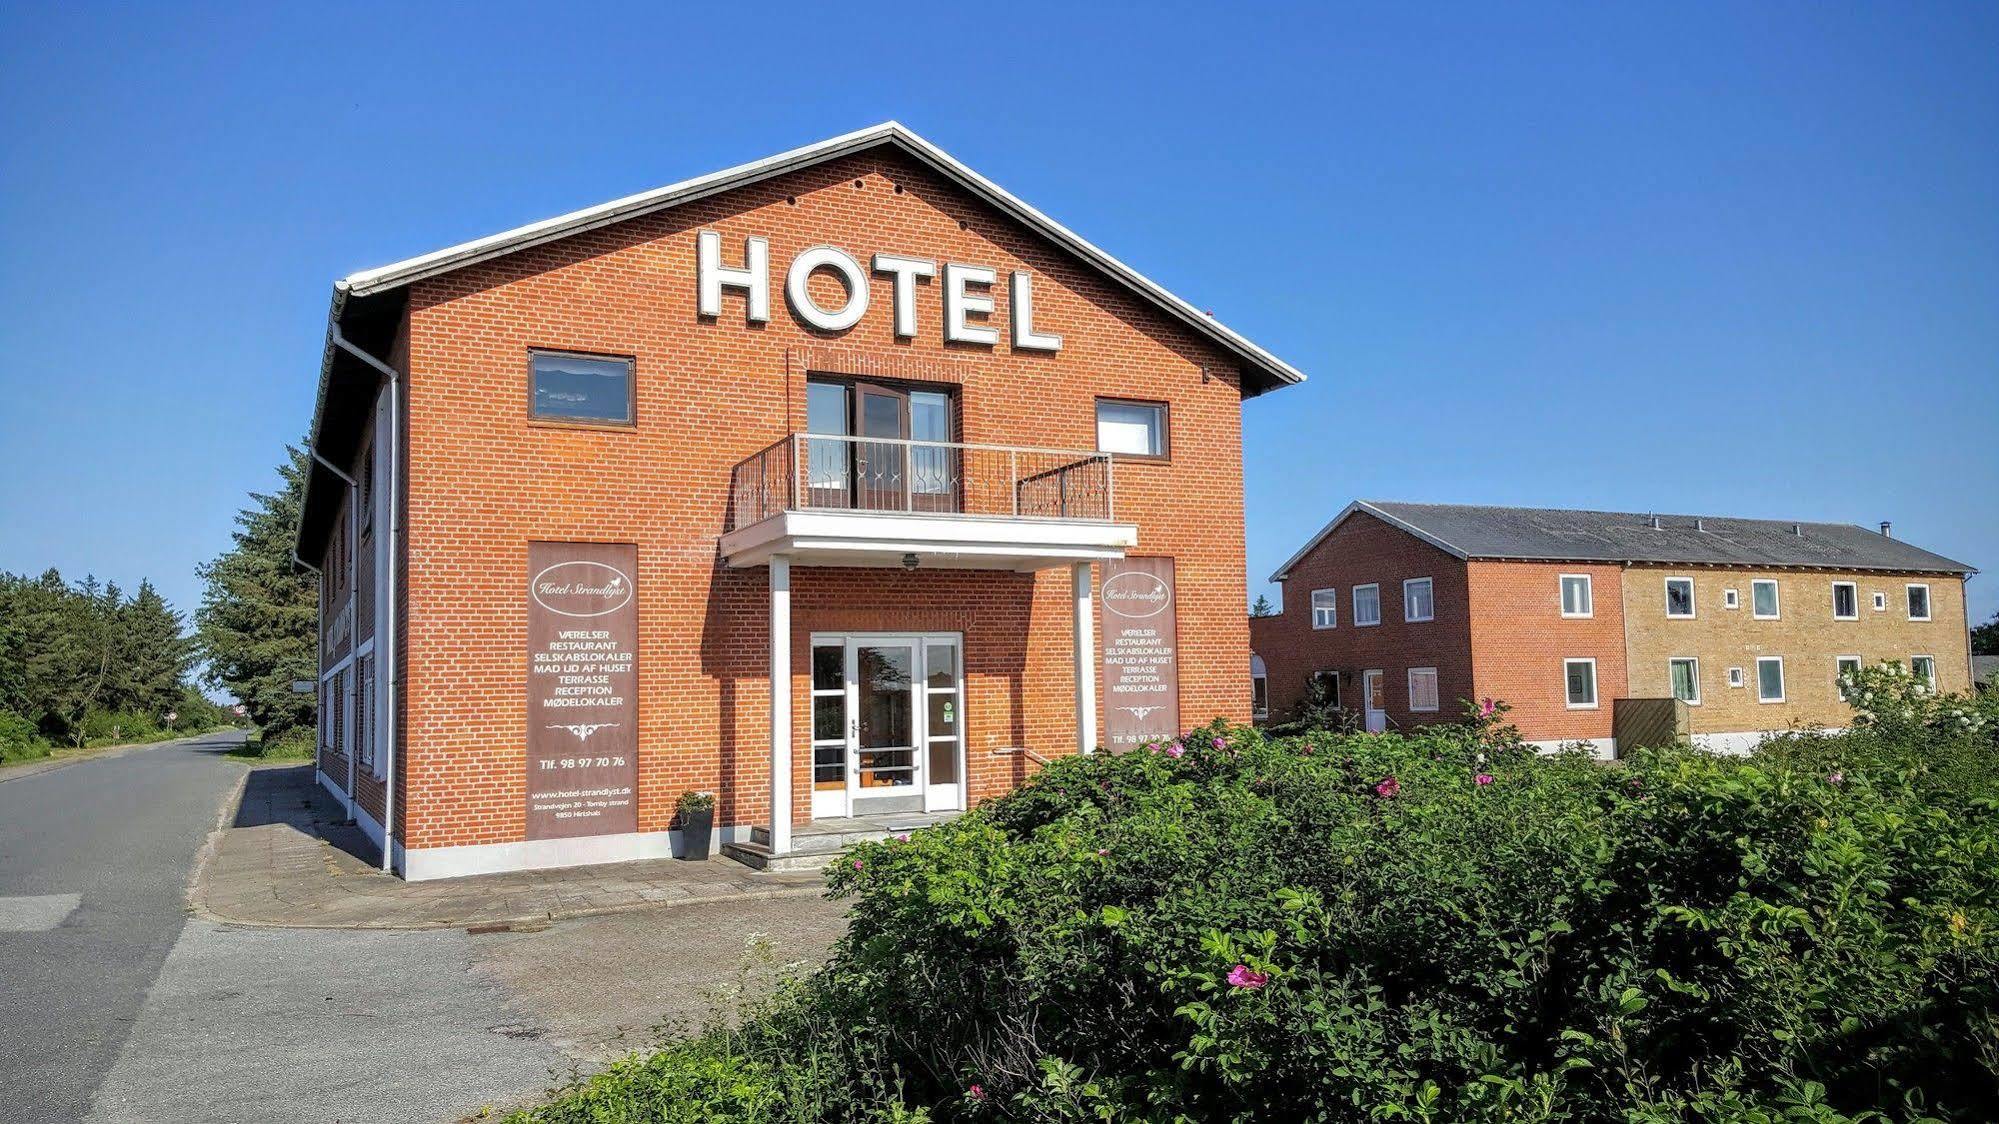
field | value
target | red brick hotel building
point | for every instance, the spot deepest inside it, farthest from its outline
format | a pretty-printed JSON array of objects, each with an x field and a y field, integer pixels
[{"x": 839, "y": 484}]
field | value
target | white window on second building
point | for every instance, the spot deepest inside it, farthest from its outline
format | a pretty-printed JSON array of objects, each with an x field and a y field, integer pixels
[
  {"x": 1770, "y": 679},
  {"x": 1366, "y": 605},
  {"x": 1925, "y": 669},
  {"x": 1580, "y": 676},
  {"x": 1576, "y": 596},
  {"x": 1259, "y": 688},
  {"x": 1132, "y": 429},
  {"x": 1325, "y": 608},
  {"x": 1422, "y": 689},
  {"x": 1419, "y": 600},
  {"x": 1679, "y": 597},
  {"x": 1763, "y": 604},
  {"x": 1919, "y": 601},
  {"x": 1845, "y": 601},
  {"x": 1685, "y": 672}
]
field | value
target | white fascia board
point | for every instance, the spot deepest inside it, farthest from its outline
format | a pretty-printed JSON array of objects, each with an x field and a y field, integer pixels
[
  {"x": 1003, "y": 540},
  {"x": 1363, "y": 506},
  {"x": 404, "y": 272}
]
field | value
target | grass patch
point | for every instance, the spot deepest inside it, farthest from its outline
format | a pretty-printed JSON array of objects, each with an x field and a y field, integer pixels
[{"x": 299, "y": 743}]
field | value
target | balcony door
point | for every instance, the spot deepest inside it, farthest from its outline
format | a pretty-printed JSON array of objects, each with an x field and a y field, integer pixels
[{"x": 895, "y": 472}]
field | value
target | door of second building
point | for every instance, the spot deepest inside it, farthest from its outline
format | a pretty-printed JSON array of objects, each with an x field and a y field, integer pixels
[{"x": 1374, "y": 702}]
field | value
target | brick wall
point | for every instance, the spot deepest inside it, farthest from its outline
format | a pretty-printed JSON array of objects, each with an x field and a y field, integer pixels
[
  {"x": 1366, "y": 550},
  {"x": 483, "y": 480},
  {"x": 1805, "y": 635},
  {"x": 1520, "y": 642}
]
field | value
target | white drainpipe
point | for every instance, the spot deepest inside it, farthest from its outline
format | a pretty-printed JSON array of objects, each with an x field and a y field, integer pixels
[{"x": 391, "y": 587}]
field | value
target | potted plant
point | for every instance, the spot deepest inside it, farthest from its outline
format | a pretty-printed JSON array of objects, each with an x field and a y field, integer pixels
[{"x": 697, "y": 824}]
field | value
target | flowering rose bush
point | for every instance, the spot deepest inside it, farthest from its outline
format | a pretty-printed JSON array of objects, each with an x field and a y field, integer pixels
[{"x": 1257, "y": 932}]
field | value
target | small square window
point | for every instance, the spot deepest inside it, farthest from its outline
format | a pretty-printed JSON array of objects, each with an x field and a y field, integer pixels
[
  {"x": 1422, "y": 689},
  {"x": 1325, "y": 608},
  {"x": 1735, "y": 677},
  {"x": 1419, "y": 600},
  {"x": 1845, "y": 601},
  {"x": 1581, "y": 677},
  {"x": 1846, "y": 667},
  {"x": 1576, "y": 599},
  {"x": 1731, "y": 599},
  {"x": 1880, "y": 602},
  {"x": 1925, "y": 669},
  {"x": 1366, "y": 605},
  {"x": 1131, "y": 429},
  {"x": 1685, "y": 672},
  {"x": 1763, "y": 603},
  {"x": 1770, "y": 679},
  {"x": 1919, "y": 601},
  {"x": 1679, "y": 597},
  {"x": 587, "y": 388}
]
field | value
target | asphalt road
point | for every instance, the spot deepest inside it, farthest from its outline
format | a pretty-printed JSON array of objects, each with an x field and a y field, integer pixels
[{"x": 94, "y": 863}]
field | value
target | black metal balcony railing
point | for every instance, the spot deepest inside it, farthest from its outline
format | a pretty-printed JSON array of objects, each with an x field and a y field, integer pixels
[{"x": 823, "y": 472}]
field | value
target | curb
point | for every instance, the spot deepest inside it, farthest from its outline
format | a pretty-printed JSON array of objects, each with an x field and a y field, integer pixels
[{"x": 503, "y": 924}]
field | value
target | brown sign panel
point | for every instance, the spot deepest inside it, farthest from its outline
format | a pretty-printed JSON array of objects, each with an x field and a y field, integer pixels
[
  {"x": 1141, "y": 653},
  {"x": 583, "y": 713}
]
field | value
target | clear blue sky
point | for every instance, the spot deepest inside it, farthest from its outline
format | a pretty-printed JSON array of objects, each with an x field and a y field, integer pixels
[{"x": 1734, "y": 259}]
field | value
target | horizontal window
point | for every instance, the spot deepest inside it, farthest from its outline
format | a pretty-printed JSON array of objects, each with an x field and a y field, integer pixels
[
  {"x": 1763, "y": 603},
  {"x": 1581, "y": 679},
  {"x": 1419, "y": 600},
  {"x": 1325, "y": 608},
  {"x": 1133, "y": 429},
  {"x": 1422, "y": 688},
  {"x": 1366, "y": 605},
  {"x": 588, "y": 388},
  {"x": 1576, "y": 593}
]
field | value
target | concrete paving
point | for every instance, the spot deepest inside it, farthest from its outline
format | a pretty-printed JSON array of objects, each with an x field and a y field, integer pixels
[{"x": 286, "y": 859}]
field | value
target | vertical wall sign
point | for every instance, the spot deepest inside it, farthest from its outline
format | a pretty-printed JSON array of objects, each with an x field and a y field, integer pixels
[
  {"x": 1141, "y": 653},
  {"x": 583, "y": 713}
]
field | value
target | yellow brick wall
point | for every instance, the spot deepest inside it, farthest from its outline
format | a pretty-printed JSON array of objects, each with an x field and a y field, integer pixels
[{"x": 1805, "y": 634}]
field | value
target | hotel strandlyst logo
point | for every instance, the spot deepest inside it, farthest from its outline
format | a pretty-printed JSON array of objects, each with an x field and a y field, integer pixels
[
  {"x": 581, "y": 589},
  {"x": 1136, "y": 595}
]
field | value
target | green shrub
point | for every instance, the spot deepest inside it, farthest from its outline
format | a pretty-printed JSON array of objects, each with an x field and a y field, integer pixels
[
  {"x": 19, "y": 740},
  {"x": 1440, "y": 927},
  {"x": 294, "y": 743},
  {"x": 104, "y": 727}
]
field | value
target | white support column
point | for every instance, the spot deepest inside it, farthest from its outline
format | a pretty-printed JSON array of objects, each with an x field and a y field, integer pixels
[
  {"x": 1086, "y": 659},
  {"x": 780, "y": 704}
]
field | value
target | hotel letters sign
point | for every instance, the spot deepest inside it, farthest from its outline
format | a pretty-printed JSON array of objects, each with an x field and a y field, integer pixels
[
  {"x": 1141, "y": 652},
  {"x": 583, "y": 714}
]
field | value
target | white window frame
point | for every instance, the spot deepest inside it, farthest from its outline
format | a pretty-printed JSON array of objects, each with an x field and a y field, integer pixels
[
  {"x": 1929, "y": 680},
  {"x": 1693, "y": 606},
  {"x": 1839, "y": 666},
  {"x": 1929, "y": 610},
  {"x": 1408, "y": 585},
  {"x": 1855, "y": 615},
  {"x": 1696, "y": 661},
  {"x": 1410, "y": 684},
  {"x": 1781, "y": 690},
  {"x": 1331, "y": 609},
  {"x": 1259, "y": 687},
  {"x": 1776, "y": 597},
  {"x": 1375, "y": 588},
  {"x": 1589, "y": 596},
  {"x": 1594, "y": 692},
  {"x": 1735, "y": 678},
  {"x": 1880, "y": 600},
  {"x": 1731, "y": 598}
]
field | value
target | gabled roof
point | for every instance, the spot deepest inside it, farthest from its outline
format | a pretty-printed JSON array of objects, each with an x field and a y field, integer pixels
[
  {"x": 1557, "y": 535},
  {"x": 1262, "y": 370}
]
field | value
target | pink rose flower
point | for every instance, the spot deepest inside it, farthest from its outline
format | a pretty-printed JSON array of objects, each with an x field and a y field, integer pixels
[
  {"x": 1485, "y": 708},
  {"x": 857, "y": 864},
  {"x": 1221, "y": 743},
  {"x": 976, "y": 1092},
  {"x": 1482, "y": 779},
  {"x": 1175, "y": 750},
  {"x": 1837, "y": 777},
  {"x": 1246, "y": 977},
  {"x": 1388, "y": 788},
  {"x": 1102, "y": 851},
  {"x": 902, "y": 837}
]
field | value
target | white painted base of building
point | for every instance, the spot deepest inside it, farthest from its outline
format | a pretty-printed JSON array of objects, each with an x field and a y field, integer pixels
[
  {"x": 1603, "y": 749},
  {"x": 426, "y": 863}
]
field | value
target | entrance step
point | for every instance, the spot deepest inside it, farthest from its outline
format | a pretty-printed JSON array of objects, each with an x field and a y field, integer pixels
[{"x": 815, "y": 844}]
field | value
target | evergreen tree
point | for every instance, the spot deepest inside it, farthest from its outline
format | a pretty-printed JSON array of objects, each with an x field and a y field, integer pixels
[
  {"x": 153, "y": 656},
  {"x": 257, "y": 625},
  {"x": 1985, "y": 638},
  {"x": 1262, "y": 608}
]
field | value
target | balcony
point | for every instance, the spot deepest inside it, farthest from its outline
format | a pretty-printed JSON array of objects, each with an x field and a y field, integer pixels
[{"x": 829, "y": 500}]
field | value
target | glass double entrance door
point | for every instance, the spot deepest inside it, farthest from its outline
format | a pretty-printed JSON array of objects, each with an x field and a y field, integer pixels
[{"x": 887, "y": 724}]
